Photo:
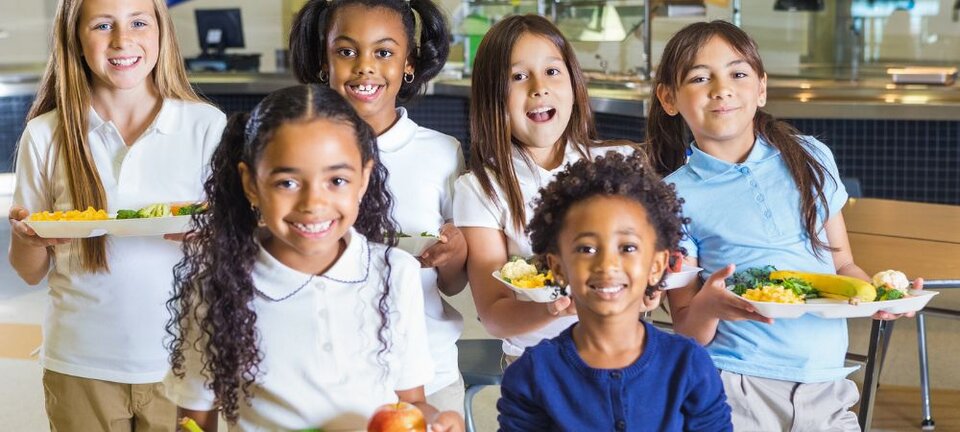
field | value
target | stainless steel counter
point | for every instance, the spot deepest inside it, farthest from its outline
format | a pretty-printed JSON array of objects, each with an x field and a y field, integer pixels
[{"x": 788, "y": 98}]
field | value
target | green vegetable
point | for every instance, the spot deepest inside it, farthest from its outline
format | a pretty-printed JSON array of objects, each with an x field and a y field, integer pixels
[
  {"x": 128, "y": 214},
  {"x": 756, "y": 277},
  {"x": 155, "y": 210},
  {"x": 427, "y": 234},
  {"x": 190, "y": 209},
  {"x": 888, "y": 294}
]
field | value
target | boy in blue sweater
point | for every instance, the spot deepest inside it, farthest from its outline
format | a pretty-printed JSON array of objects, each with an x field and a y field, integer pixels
[{"x": 607, "y": 229}]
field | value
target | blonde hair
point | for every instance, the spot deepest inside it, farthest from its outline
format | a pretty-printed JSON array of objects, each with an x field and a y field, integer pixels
[{"x": 65, "y": 87}]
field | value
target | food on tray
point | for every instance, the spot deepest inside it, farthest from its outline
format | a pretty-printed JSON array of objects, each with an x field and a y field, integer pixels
[
  {"x": 161, "y": 210},
  {"x": 397, "y": 417},
  {"x": 891, "y": 285},
  {"x": 519, "y": 273},
  {"x": 761, "y": 284},
  {"x": 402, "y": 234},
  {"x": 833, "y": 286},
  {"x": 70, "y": 215}
]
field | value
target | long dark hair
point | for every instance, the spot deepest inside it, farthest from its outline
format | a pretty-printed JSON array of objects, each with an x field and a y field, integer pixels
[
  {"x": 667, "y": 135},
  {"x": 490, "y": 144},
  {"x": 308, "y": 39},
  {"x": 213, "y": 287}
]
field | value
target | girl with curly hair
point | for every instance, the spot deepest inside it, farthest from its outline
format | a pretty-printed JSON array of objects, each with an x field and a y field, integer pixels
[
  {"x": 376, "y": 53},
  {"x": 529, "y": 116},
  {"x": 607, "y": 228},
  {"x": 288, "y": 311}
]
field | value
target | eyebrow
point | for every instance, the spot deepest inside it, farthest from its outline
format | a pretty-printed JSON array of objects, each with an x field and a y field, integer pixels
[
  {"x": 628, "y": 231},
  {"x": 131, "y": 15},
  {"x": 292, "y": 170},
  {"x": 552, "y": 59},
  {"x": 379, "y": 41},
  {"x": 733, "y": 63}
]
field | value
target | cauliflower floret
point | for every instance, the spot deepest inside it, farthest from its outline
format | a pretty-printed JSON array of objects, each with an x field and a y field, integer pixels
[
  {"x": 892, "y": 279},
  {"x": 517, "y": 269}
]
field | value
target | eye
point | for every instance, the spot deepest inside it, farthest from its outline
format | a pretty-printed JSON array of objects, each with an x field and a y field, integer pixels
[
  {"x": 346, "y": 52},
  {"x": 339, "y": 181},
  {"x": 384, "y": 53},
  {"x": 629, "y": 248},
  {"x": 286, "y": 184},
  {"x": 519, "y": 76},
  {"x": 139, "y": 24},
  {"x": 698, "y": 79},
  {"x": 103, "y": 26},
  {"x": 553, "y": 71},
  {"x": 585, "y": 249},
  {"x": 739, "y": 75}
]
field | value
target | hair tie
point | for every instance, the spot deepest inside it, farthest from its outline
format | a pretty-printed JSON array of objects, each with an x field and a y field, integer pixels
[
  {"x": 252, "y": 127},
  {"x": 417, "y": 27}
]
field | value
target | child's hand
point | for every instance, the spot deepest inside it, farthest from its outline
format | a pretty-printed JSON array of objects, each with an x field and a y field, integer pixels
[
  {"x": 446, "y": 421},
  {"x": 451, "y": 244},
  {"x": 24, "y": 233},
  {"x": 562, "y": 306},
  {"x": 723, "y": 303},
  {"x": 887, "y": 316}
]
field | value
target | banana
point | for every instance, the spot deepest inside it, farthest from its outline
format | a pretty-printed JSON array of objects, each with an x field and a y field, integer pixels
[{"x": 833, "y": 286}]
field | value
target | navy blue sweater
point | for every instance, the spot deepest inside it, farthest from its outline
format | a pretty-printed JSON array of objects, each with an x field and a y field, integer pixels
[{"x": 673, "y": 386}]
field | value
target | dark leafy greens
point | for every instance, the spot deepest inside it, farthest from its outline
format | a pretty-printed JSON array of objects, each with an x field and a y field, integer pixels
[{"x": 756, "y": 277}]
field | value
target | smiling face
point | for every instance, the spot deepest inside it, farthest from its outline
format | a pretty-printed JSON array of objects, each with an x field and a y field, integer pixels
[
  {"x": 308, "y": 185},
  {"x": 607, "y": 255},
  {"x": 367, "y": 61},
  {"x": 120, "y": 40},
  {"x": 540, "y": 93},
  {"x": 718, "y": 98}
]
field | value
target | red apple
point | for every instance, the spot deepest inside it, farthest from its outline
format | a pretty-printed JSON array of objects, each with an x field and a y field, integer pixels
[{"x": 397, "y": 417}]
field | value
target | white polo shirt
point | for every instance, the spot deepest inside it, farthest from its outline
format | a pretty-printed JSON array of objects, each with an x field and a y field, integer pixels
[
  {"x": 423, "y": 165},
  {"x": 472, "y": 208},
  {"x": 110, "y": 326},
  {"x": 318, "y": 339}
]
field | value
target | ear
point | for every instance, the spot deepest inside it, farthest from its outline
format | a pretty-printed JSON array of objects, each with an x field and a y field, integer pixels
[
  {"x": 659, "y": 264},
  {"x": 249, "y": 184},
  {"x": 365, "y": 180},
  {"x": 408, "y": 67},
  {"x": 762, "y": 95},
  {"x": 553, "y": 263},
  {"x": 667, "y": 100}
]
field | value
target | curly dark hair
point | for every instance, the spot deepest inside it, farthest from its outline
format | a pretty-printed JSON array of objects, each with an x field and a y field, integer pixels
[
  {"x": 610, "y": 175},
  {"x": 213, "y": 287},
  {"x": 308, "y": 39}
]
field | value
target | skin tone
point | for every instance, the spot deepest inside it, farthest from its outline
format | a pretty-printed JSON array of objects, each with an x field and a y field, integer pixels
[
  {"x": 120, "y": 42},
  {"x": 366, "y": 66},
  {"x": 718, "y": 99},
  {"x": 539, "y": 102},
  {"x": 607, "y": 254},
  {"x": 308, "y": 185}
]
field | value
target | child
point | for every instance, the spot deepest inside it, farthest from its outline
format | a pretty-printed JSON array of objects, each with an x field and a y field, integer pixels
[
  {"x": 758, "y": 194},
  {"x": 304, "y": 167},
  {"x": 607, "y": 229},
  {"x": 530, "y": 115},
  {"x": 375, "y": 53},
  {"x": 115, "y": 125}
]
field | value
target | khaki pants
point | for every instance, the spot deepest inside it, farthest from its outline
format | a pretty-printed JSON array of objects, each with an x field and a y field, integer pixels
[
  {"x": 83, "y": 404},
  {"x": 765, "y": 405},
  {"x": 449, "y": 398}
]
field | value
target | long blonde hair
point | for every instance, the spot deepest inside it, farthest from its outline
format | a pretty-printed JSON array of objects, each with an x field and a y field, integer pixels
[{"x": 65, "y": 87}]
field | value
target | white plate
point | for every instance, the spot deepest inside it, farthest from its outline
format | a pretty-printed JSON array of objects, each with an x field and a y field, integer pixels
[
  {"x": 830, "y": 308},
  {"x": 416, "y": 245},
  {"x": 682, "y": 278},
  {"x": 118, "y": 227},
  {"x": 545, "y": 294}
]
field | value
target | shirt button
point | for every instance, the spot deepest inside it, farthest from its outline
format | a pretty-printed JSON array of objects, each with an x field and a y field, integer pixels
[
  {"x": 615, "y": 375},
  {"x": 759, "y": 198},
  {"x": 745, "y": 170},
  {"x": 767, "y": 214},
  {"x": 621, "y": 425},
  {"x": 328, "y": 347},
  {"x": 753, "y": 183}
]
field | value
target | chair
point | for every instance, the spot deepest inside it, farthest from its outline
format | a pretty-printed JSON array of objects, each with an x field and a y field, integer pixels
[
  {"x": 480, "y": 365},
  {"x": 852, "y": 185}
]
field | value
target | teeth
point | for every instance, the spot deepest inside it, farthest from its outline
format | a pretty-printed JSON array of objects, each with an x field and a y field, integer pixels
[
  {"x": 541, "y": 110},
  {"x": 313, "y": 228},
  {"x": 124, "y": 61},
  {"x": 366, "y": 89},
  {"x": 609, "y": 290}
]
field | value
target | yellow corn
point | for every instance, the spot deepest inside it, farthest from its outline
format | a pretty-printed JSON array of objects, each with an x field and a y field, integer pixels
[
  {"x": 773, "y": 294},
  {"x": 833, "y": 286}
]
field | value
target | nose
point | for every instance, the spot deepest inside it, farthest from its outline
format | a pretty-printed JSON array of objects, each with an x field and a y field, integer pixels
[
  {"x": 312, "y": 199},
  {"x": 606, "y": 260},
  {"x": 119, "y": 37},
  {"x": 720, "y": 88},
  {"x": 538, "y": 87},
  {"x": 363, "y": 65}
]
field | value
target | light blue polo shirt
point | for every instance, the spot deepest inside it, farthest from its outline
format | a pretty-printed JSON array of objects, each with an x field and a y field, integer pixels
[{"x": 749, "y": 214}]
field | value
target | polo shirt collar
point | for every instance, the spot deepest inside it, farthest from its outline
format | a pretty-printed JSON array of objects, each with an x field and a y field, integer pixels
[
  {"x": 275, "y": 281},
  {"x": 528, "y": 172},
  {"x": 166, "y": 122},
  {"x": 399, "y": 135},
  {"x": 708, "y": 167}
]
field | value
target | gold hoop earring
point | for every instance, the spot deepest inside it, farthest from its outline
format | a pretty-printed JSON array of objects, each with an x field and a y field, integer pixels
[
  {"x": 323, "y": 77},
  {"x": 408, "y": 78}
]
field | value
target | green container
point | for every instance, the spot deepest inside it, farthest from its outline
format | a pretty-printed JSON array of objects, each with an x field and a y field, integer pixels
[{"x": 474, "y": 28}]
